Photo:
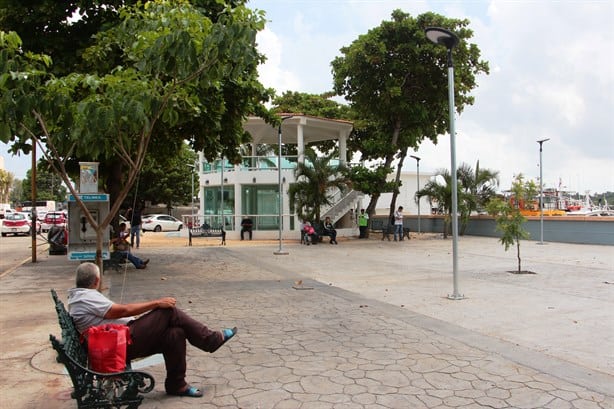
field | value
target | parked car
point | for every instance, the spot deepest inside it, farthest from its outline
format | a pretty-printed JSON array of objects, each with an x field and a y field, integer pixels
[
  {"x": 5, "y": 209},
  {"x": 17, "y": 223},
  {"x": 161, "y": 222},
  {"x": 40, "y": 215},
  {"x": 54, "y": 219}
]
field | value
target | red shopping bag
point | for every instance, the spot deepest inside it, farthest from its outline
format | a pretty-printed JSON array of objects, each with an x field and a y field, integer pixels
[{"x": 106, "y": 347}]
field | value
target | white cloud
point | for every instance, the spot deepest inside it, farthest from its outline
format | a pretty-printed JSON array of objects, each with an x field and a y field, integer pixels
[{"x": 271, "y": 73}]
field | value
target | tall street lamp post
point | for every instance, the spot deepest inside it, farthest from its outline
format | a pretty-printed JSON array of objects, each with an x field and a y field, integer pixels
[
  {"x": 541, "y": 192},
  {"x": 417, "y": 185},
  {"x": 441, "y": 36},
  {"x": 193, "y": 170},
  {"x": 280, "y": 251}
]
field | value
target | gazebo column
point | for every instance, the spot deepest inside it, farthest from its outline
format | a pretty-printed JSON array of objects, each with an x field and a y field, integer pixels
[
  {"x": 343, "y": 147},
  {"x": 300, "y": 140}
]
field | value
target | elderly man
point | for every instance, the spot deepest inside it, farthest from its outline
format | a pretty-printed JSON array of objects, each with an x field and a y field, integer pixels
[{"x": 163, "y": 329}]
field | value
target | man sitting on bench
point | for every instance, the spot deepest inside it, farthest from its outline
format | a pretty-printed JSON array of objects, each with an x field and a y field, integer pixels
[
  {"x": 160, "y": 327},
  {"x": 246, "y": 227}
]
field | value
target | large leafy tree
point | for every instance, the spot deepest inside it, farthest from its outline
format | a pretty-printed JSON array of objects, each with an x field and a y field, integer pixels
[
  {"x": 396, "y": 81},
  {"x": 320, "y": 105},
  {"x": 64, "y": 29},
  {"x": 168, "y": 181},
  {"x": 165, "y": 73}
]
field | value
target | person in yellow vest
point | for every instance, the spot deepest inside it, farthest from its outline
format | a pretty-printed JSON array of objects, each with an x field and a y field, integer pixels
[{"x": 363, "y": 223}]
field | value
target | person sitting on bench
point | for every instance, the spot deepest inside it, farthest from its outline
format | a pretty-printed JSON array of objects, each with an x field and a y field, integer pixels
[
  {"x": 246, "y": 227},
  {"x": 156, "y": 326},
  {"x": 329, "y": 230},
  {"x": 121, "y": 246},
  {"x": 309, "y": 233}
]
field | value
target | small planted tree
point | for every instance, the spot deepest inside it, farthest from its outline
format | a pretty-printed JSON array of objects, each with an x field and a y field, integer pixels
[{"x": 508, "y": 217}]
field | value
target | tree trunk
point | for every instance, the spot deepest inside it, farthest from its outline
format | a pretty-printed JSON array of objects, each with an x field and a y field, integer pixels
[
  {"x": 397, "y": 180},
  {"x": 113, "y": 186},
  {"x": 518, "y": 254},
  {"x": 388, "y": 161}
]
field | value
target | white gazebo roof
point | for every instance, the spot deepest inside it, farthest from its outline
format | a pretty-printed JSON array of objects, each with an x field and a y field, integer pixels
[{"x": 315, "y": 129}]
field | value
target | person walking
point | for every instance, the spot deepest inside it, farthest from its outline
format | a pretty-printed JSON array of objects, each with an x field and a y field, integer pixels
[
  {"x": 398, "y": 224},
  {"x": 363, "y": 223},
  {"x": 161, "y": 327}
]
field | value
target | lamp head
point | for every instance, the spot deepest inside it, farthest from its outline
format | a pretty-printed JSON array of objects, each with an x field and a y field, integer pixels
[
  {"x": 441, "y": 36},
  {"x": 415, "y": 157},
  {"x": 543, "y": 140}
]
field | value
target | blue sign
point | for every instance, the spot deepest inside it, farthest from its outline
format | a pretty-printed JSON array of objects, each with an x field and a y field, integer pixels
[
  {"x": 99, "y": 197},
  {"x": 87, "y": 255}
]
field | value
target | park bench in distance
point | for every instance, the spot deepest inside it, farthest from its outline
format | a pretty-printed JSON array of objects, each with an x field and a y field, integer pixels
[{"x": 206, "y": 231}]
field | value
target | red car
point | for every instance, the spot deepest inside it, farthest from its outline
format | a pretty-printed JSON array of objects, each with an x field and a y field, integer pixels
[{"x": 54, "y": 219}]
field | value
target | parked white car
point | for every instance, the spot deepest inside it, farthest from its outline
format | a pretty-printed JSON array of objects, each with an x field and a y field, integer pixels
[
  {"x": 161, "y": 222},
  {"x": 18, "y": 223}
]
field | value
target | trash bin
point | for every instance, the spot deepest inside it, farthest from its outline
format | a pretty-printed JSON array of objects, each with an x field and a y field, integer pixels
[{"x": 57, "y": 239}]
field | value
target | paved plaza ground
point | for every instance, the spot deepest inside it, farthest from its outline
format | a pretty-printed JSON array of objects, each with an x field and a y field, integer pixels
[{"x": 364, "y": 324}]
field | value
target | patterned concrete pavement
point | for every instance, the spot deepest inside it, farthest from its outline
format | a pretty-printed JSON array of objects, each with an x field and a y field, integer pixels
[{"x": 316, "y": 344}]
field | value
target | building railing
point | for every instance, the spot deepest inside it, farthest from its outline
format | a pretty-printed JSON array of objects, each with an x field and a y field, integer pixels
[
  {"x": 232, "y": 222},
  {"x": 251, "y": 163}
]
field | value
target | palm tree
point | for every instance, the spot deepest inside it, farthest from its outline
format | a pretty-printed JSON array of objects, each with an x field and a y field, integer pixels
[
  {"x": 477, "y": 188},
  {"x": 439, "y": 195},
  {"x": 316, "y": 180}
]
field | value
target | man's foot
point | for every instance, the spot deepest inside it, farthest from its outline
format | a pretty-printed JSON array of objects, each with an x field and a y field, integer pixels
[
  {"x": 145, "y": 262},
  {"x": 189, "y": 391},
  {"x": 227, "y": 333}
]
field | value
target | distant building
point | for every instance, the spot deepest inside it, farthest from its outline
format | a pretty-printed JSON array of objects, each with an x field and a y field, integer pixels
[{"x": 228, "y": 193}]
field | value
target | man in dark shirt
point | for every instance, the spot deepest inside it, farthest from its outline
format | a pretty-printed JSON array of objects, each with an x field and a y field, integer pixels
[{"x": 246, "y": 226}]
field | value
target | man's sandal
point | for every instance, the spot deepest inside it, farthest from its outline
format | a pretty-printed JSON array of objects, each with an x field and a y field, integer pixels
[
  {"x": 190, "y": 392},
  {"x": 227, "y": 333}
]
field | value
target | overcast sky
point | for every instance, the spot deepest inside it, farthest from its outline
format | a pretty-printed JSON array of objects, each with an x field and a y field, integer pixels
[
  {"x": 552, "y": 65},
  {"x": 552, "y": 76}
]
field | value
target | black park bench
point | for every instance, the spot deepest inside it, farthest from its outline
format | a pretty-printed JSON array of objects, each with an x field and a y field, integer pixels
[
  {"x": 387, "y": 229},
  {"x": 94, "y": 389},
  {"x": 205, "y": 231}
]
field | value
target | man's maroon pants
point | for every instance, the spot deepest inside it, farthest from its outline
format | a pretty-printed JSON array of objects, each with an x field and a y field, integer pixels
[{"x": 165, "y": 331}]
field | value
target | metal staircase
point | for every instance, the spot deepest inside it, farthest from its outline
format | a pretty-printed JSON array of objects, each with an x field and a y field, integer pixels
[{"x": 344, "y": 204}]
